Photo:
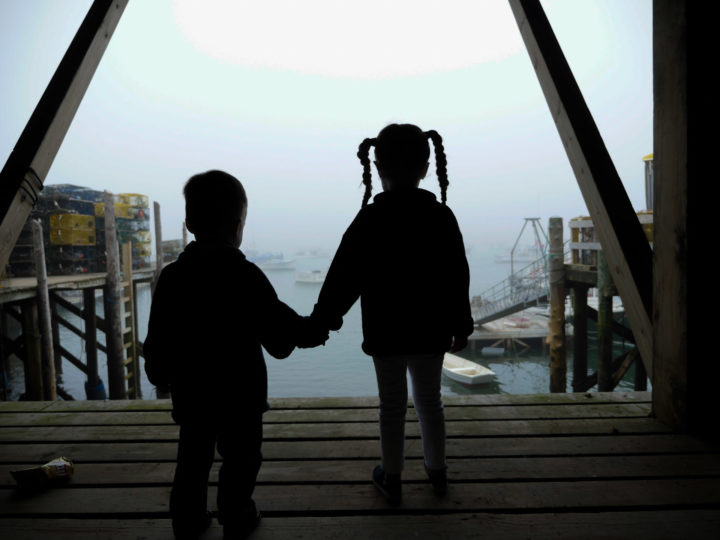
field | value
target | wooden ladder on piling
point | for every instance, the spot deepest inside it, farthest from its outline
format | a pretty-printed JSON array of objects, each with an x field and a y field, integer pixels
[{"x": 130, "y": 353}]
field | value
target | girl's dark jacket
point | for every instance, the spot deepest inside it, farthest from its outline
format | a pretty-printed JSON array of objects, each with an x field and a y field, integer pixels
[
  {"x": 212, "y": 310},
  {"x": 403, "y": 256}
]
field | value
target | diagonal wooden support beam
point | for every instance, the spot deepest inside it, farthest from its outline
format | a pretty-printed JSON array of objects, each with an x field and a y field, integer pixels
[
  {"x": 625, "y": 246},
  {"x": 25, "y": 171}
]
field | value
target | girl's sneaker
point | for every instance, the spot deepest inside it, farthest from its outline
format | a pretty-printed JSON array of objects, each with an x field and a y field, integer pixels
[
  {"x": 388, "y": 484},
  {"x": 438, "y": 479}
]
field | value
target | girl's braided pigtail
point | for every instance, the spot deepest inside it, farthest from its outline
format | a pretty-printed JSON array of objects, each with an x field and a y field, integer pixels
[
  {"x": 440, "y": 163},
  {"x": 364, "y": 155}
]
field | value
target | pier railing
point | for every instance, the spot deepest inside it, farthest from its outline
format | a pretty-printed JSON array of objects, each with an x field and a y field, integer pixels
[{"x": 527, "y": 287}]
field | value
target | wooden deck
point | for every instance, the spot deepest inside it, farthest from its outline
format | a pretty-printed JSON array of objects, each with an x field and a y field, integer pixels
[
  {"x": 544, "y": 466},
  {"x": 24, "y": 288}
]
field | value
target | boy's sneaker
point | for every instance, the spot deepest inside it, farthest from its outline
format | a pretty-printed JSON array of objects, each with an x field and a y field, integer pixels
[
  {"x": 191, "y": 530},
  {"x": 388, "y": 484},
  {"x": 438, "y": 479},
  {"x": 242, "y": 528}
]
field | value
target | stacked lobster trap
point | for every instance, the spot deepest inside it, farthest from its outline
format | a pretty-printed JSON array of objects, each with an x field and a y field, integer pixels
[{"x": 73, "y": 223}]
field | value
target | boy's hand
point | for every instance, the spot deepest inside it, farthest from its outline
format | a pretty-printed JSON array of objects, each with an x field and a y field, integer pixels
[{"x": 311, "y": 334}]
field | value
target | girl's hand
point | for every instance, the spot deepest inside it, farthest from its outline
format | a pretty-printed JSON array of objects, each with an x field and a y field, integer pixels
[{"x": 458, "y": 344}]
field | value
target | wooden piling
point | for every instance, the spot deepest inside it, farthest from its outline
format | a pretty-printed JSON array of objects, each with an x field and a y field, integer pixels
[
  {"x": 56, "y": 339},
  {"x": 113, "y": 314},
  {"x": 604, "y": 325},
  {"x": 580, "y": 342},
  {"x": 43, "y": 300},
  {"x": 33, "y": 352},
  {"x": 556, "y": 337},
  {"x": 94, "y": 388}
]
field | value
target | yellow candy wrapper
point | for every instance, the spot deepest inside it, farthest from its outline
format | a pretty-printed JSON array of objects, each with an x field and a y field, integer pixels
[{"x": 51, "y": 473}]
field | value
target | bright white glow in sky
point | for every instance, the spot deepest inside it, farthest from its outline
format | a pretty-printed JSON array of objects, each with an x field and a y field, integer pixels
[
  {"x": 280, "y": 94},
  {"x": 374, "y": 38}
]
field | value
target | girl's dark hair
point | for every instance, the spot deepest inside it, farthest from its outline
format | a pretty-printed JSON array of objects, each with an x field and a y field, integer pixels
[
  {"x": 403, "y": 151},
  {"x": 213, "y": 200}
]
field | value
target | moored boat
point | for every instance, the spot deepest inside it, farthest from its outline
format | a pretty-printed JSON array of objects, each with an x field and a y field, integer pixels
[
  {"x": 316, "y": 276},
  {"x": 466, "y": 371}
]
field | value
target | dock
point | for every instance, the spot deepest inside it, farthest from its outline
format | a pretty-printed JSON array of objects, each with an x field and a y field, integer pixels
[
  {"x": 16, "y": 289},
  {"x": 524, "y": 466}
]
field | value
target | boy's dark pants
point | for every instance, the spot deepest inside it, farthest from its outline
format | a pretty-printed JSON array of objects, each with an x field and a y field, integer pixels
[{"x": 239, "y": 444}]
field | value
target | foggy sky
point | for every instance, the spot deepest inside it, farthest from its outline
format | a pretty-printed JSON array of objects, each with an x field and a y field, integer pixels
[{"x": 280, "y": 97}]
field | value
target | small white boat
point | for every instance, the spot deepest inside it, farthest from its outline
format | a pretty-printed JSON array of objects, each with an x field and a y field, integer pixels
[
  {"x": 277, "y": 264},
  {"x": 316, "y": 276},
  {"x": 465, "y": 371}
]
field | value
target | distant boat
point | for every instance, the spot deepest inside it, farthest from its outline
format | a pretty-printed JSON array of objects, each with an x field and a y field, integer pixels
[
  {"x": 316, "y": 276},
  {"x": 277, "y": 264},
  {"x": 465, "y": 371},
  {"x": 312, "y": 253},
  {"x": 271, "y": 261}
]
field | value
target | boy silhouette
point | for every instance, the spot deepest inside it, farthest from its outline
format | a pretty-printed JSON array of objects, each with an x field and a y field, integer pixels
[{"x": 212, "y": 310}]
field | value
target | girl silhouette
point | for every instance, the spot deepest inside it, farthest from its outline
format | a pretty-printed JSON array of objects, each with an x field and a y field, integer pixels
[{"x": 403, "y": 256}]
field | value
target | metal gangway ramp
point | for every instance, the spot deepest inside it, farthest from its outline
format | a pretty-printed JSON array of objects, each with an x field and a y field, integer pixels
[{"x": 527, "y": 287}]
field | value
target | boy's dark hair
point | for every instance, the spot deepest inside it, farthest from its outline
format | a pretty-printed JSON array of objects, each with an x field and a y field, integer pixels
[
  {"x": 213, "y": 200},
  {"x": 403, "y": 151}
]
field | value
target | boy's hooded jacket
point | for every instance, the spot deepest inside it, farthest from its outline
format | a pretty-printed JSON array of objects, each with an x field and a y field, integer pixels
[{"x": 211, "y": 313}]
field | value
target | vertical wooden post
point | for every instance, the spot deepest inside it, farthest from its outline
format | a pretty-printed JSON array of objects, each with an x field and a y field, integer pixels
[
  {"x": 580, "y": 344},
  {"x": 158, "y": 243},
  {"x": 94, "y": 387},
  {"x": 33, "y": 352},
  {"x": 43, "y": 299},
  {"x": 556, "y": 338},
  {"x": 111, "y": 297},
  {"x": 56, "y": 339},
  {"x": 604, "y": 325}
]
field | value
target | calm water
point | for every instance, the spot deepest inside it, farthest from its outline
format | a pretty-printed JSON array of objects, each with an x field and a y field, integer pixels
[{"x": 339, "y": 368}]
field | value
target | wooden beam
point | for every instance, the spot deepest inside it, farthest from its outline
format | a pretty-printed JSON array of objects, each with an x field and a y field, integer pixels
[
  {"x": 686, "y": 374},
  {"x": 74, "y": 360},
  {"x": 604, "y": 325},
  {"x": 44, "y": 316},
  {"x": 580, "y": 341},
  {"x": 556, "y": 326},
  {"x": 618, "y": 368},
  {"x": 69, "y": 306},
  {"x": 25, "y": 171},
  {"x": 623, "y": 241}
]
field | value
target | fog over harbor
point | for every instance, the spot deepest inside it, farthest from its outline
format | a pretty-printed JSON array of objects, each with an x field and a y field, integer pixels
[{"x": 280, "y": 94}]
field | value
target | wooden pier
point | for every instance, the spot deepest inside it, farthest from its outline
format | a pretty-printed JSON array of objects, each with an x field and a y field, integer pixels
[
  {"x": 19, "y": 299},
  {"x": 540, "y": 466}
]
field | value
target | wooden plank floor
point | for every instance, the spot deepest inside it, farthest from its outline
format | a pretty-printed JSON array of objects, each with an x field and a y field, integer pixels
[{"x": 544, "y": 466}]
